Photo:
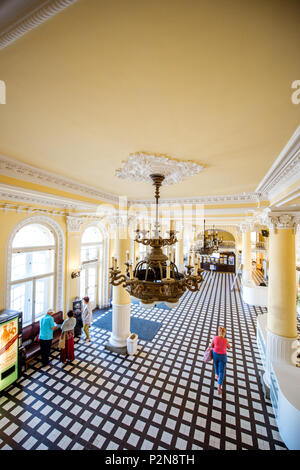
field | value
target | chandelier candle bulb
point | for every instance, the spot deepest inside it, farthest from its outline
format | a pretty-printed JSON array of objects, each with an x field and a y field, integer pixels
[
  {"x": 115, "y": 264},
  {"x": 168, "y": 270}
]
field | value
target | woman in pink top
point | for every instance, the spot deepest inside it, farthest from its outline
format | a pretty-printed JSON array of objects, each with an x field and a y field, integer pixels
[{"x": 219, "y": 346}]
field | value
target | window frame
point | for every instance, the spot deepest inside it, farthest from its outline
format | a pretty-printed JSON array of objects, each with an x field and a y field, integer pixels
[{"x": 59, "y": 261}]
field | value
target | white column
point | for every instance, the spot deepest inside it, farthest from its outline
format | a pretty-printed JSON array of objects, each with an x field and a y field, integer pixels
[
  {"x": 281, "y": 318},
  {"x": 121, "y": 302},
  {"x": 246, "y": 254}
]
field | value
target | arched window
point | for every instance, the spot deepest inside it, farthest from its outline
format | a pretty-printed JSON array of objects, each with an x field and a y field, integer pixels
[
  {"x": 91, "y": 263},
  {"x": 33, "y": 271}
]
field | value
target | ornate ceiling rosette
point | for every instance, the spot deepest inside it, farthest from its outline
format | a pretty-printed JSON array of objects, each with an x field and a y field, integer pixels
[{"x": 140, "y": 165}]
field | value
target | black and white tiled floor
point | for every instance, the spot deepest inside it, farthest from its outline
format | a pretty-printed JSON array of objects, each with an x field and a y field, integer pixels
[{"x": 165, "y": 397}]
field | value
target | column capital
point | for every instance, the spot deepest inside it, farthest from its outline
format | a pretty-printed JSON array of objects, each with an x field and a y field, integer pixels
[
  {"x": 74, "y": 223},
  {"x": 282, "y": 218},
  {"x": 121, "y": 220},
  {"x": 248, "y": 226}
]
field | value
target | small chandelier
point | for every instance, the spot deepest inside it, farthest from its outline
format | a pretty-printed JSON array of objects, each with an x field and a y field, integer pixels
[
  {"x": 156, "y": 278},
  {"x": 211, "y": 243}
]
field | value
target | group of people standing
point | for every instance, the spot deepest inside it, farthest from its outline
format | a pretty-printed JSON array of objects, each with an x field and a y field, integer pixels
[
  {"x": 66, "y": 340},
  {"x": 219, "y": 344}
]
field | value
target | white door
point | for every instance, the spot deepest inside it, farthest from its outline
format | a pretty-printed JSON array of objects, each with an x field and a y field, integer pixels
[{"x": 89, "y": 283}]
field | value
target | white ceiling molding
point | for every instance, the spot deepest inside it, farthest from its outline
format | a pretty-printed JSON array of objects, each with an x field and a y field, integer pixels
[
  {"x": 285, "y": 171},
  {"x": 219, "y": 199},
  {"x": 140, "y": 165},
  {"x": 30, "y": 19},
  {"x": 289, "y": 198},
  {"x": 10, "y": 207},
  {"x": 16, "y": 169},
  {"x": 28, "y": 196}
]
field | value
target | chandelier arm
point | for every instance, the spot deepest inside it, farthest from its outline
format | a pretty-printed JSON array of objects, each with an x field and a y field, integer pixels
[
  {"x": 144, "y": 241},
  {"x": 116, "y": 278},
  {"x": 192, "y": 285}
]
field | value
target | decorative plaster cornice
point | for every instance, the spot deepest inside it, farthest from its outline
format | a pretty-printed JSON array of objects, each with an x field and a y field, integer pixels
[
  {"x": 33, "y": 19},
  {"x": 29, "y": 196},
  {"x": 285, "y": 170},
  {"x": 254, "y": 197},
  {"x": 8, "y": 207},
  {"x": 16, "y": 169}
]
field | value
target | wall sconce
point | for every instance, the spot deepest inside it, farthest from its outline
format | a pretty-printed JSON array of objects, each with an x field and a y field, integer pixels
[{"x": 75, "y": 273}]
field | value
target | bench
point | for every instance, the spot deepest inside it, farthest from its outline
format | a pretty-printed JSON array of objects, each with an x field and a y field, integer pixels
[{"x": 30, "y": 343}]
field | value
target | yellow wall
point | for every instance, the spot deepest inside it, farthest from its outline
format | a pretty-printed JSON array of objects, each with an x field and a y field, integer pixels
[{"x": 8, "y": 221}]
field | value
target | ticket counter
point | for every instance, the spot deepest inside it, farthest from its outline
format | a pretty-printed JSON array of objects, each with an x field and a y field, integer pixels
[{"x": 219, "y": 262}]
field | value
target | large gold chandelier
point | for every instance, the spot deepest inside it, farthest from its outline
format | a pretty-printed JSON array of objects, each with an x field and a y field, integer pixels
[{"x": 156, "y": 278}]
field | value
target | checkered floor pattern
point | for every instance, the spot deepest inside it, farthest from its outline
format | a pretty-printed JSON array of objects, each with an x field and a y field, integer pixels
[
  {"x": 163, "y": 398},
  {"x": 257, "y": 276}
]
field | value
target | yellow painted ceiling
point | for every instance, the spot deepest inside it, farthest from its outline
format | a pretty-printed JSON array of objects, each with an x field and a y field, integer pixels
[{"x": 208, "y": 81}]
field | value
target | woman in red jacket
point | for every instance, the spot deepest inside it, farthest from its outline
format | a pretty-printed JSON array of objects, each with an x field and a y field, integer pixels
[{"x": 219, "y": 346}]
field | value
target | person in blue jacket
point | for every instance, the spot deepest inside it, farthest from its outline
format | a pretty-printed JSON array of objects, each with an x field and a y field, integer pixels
[{"x": 47, "y": 326}]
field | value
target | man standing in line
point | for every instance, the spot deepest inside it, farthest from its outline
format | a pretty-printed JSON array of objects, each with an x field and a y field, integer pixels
[{"x": 47, "y": 326}]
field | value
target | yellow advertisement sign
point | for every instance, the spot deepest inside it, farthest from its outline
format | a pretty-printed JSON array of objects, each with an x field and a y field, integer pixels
[{"x": 8, "y": 344}]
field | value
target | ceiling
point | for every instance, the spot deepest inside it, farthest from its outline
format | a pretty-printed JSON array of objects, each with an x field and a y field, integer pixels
[{"x": 196, "y": 80}]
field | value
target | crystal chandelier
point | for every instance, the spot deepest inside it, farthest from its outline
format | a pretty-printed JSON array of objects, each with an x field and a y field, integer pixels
[{"x": 156, "y": 278}]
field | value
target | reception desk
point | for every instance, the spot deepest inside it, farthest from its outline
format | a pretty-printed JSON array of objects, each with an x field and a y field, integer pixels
[
  {"x": 255, "y": 295},
  {"x": 285, "y": 398},
  {"x": 223, "y": 263}
]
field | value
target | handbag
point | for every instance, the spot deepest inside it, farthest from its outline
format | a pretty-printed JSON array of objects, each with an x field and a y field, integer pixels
[
  {"x": 62, "y": 341},
  {"x": 208, "y": 355}
]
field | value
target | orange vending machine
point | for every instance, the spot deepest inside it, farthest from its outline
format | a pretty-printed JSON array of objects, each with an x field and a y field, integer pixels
[{"x": 10, "y": 346}]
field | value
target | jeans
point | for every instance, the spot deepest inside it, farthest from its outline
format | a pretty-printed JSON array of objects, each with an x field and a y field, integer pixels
[{"x": 220, "y": 364}]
